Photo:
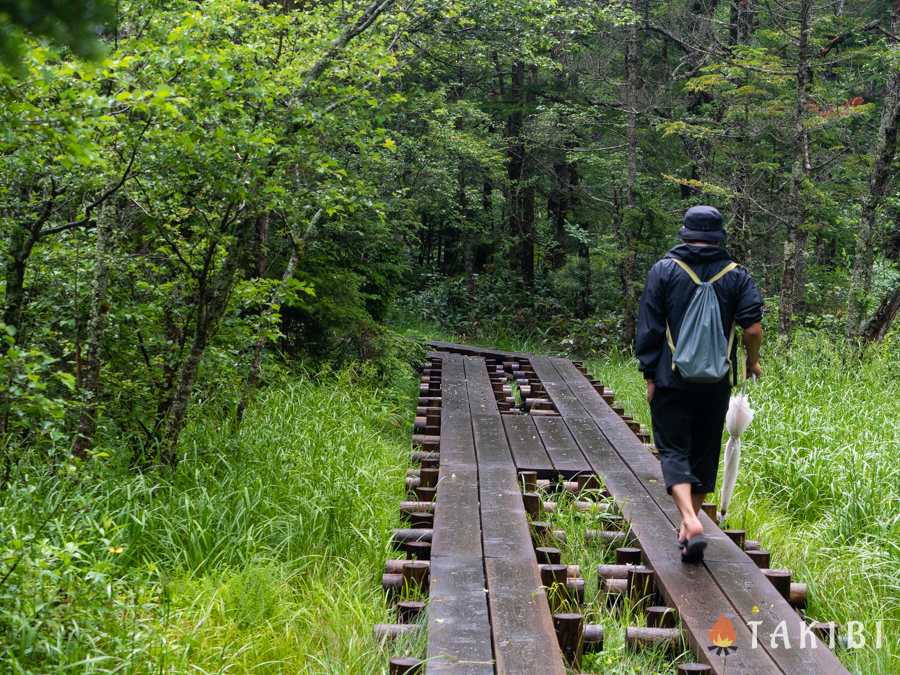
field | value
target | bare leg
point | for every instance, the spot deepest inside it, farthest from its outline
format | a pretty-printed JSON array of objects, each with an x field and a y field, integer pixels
[
  {"x": 690, "y": 523},
  {"x": 697, "y": 500}
]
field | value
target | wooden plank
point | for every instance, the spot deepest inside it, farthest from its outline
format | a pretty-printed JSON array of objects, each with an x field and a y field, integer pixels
[
  {"x": 565, "y": 401},
  {"x": 457, "y": 519},
  {"x": 481, "y": 395},
  {"x": 524, "y": 639},
  {"x": 527, "y": 448},
  {"x": 733, "y": 572},
  {"x": 561, "y": 447},
  {"x": 459, "y": 630},
  {"x": 690, "y": 588}
]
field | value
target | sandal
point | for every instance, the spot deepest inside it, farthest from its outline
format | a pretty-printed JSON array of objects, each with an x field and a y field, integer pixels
[{"x": 692, "y": 550}]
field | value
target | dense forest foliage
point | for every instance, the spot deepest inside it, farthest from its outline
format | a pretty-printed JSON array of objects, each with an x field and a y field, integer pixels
[{"x": 209, "y": 183}]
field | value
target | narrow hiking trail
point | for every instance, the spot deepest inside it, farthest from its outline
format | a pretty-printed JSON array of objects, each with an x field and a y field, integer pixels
[{"x": 497, "y": 433}]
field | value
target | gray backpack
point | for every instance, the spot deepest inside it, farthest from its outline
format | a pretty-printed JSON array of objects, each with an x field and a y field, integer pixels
[{"x": 702, "y": 354}]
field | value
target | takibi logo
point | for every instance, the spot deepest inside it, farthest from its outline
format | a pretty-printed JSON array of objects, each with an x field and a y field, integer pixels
[{"x": 722, "y": 636}]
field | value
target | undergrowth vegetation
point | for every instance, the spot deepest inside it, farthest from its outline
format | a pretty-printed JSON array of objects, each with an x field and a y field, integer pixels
[{"x": 261, "y": 552}]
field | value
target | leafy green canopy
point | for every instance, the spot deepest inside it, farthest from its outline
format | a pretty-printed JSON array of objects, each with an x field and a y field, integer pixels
[{"x": 73, "y": 23}]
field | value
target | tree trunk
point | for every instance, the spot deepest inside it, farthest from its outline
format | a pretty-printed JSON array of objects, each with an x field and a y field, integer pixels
[
  {"x": 885, "y": 148},
  {"x": 741, "y": 30},
  {"x": 793, "y": 270},
  {"x": 521, "y": 196},
  {"x": 91, "y": 386},
  {"x": 212, "y": 300},
  {"x": 21, "y": 243},
  {"x": 884, "y": 316},
  {"x": 629, "y": 261}
]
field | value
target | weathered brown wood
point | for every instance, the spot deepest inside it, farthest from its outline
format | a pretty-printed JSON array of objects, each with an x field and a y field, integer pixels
[
  {"x": 661, "y": 617},
  {"x": 628, "y": 556},
  {"x": 525, "y": 443},
  {"x": 762, "y": 559},
  {"x": 388, "y": 632},
  {"x": 781, "y": 580},
  {"x": 459, "y": 631},
  {"x": 658, "y": 638},
  {"x": 561, "y": 448},
  {"x": 592, "y": 638},
  {"x": 569, "y": 629},
  {"x": 409, "y": 611},
  {"x": 520, "y": 615},
  {"x": 407, "y": 508}
]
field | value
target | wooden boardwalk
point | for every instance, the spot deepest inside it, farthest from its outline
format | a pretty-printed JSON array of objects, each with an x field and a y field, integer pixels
[{"x": 488, "y": 611}]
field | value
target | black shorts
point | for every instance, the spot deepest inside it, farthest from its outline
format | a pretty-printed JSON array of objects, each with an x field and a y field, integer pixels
[{"x": 687, "y": 431}]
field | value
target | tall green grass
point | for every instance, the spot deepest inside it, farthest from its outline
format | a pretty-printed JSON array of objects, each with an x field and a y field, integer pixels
[{"x": 261, "y": 553}]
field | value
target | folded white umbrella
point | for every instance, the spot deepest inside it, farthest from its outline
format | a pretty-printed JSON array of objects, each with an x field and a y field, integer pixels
[{"x": 737, "y": 419}]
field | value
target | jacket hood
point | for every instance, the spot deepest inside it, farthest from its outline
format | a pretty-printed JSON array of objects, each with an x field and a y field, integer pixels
[{"x": 691, "y": 253}]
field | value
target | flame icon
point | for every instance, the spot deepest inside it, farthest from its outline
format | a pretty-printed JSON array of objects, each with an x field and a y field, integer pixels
[{"x": 722, "y": 636}]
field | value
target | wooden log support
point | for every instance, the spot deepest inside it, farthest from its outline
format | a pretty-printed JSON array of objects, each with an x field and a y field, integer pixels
[
  {"x": 798, "y": 594},
  {"x": 575, "y": 589},
  {"x": 762, "y": 558},
  {"x": 395, "y": 565},
  {"x": 528, "y": 480},
  {"x": 606, "y": 537},
  {"x": 409, "y": 611},
  {"x": 403, "y": 535},
  {"x": 751, "y": 545},
  {"x": 737, "y": 536},
  {"x": 781, "y": 580},
  {"x": 388, "y": 632},
  {"x": 661, "y": 617},
  {"x": 587, "y": 481},
  {"x": 641, "y": 586},
  {"x": 428, "y": 477},
  {"x": 615, "y": 590},
  {"x": 425, "y": 494},
  {"x": 420, "y": 457},
  {"x": 415, "y": 575},
  {"x": 710, "y": 510},
  {"x": 420, "y": 550},
  {"x": 541, "y": 533},
  {"x": 421, "y": 520},
  {"x": 592, "y": 638},
  {"x": 416, "y": 507},
  {"x": 569, "y": 633},
  {"x": 392, "y": 584},
  {"x": 534, "y": 505},
  {"x": 694, "y": 668},
  {"x": 548, "y": 555},
  {"x": 412, "y": 483},
  {"x": 668, "y": 639},
  {"x": 428, "y": 443},
  {"x": 613, "y": 572},
  {"x": 404, "y": 665},
  {"x": 628, "y": 556}
]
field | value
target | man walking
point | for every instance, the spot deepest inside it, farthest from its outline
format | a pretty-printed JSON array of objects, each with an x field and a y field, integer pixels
[{"x": 688, "y": 409}]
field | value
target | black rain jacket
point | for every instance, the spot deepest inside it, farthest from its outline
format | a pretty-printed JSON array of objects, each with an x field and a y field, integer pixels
[{"x": 666, "y": 296}]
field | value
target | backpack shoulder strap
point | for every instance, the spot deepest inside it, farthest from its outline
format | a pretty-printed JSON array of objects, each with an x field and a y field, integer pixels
[
  {"x": 725, "y": 270},
  {"x": 687, "y": 268}
]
